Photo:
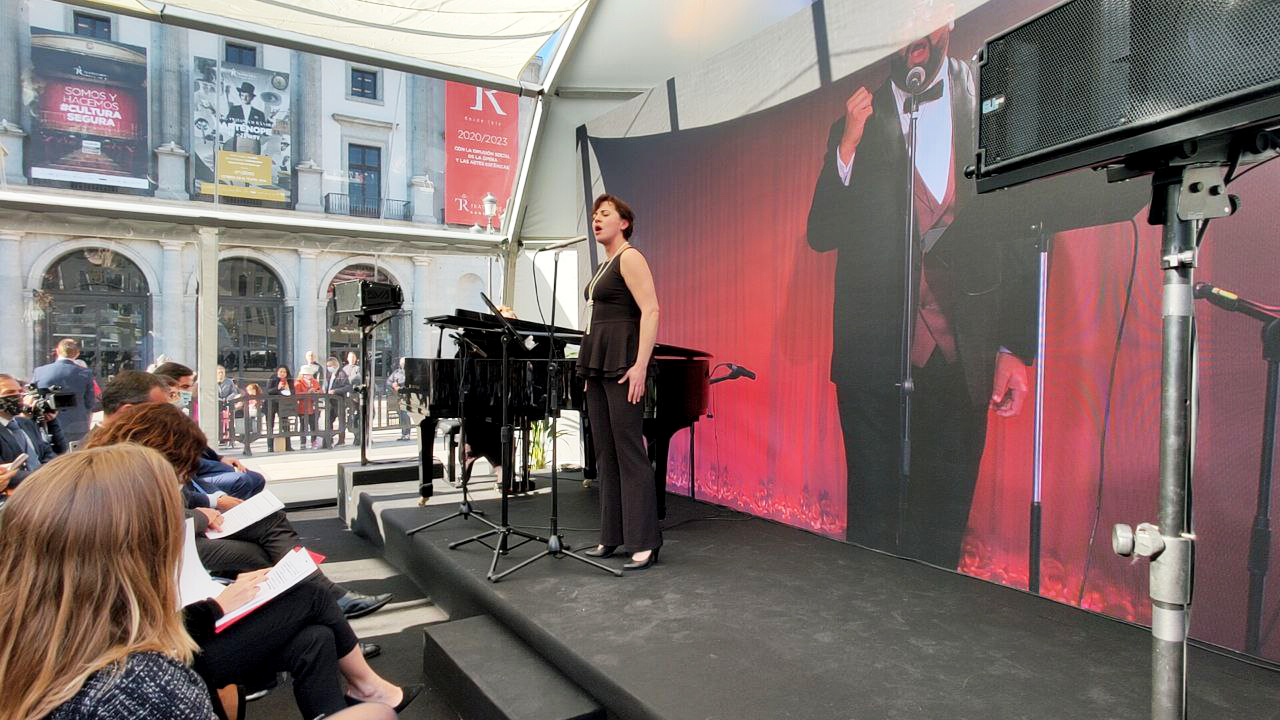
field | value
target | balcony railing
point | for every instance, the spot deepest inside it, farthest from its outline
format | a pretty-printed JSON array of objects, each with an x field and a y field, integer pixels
[{"x": 343, "y": 204}]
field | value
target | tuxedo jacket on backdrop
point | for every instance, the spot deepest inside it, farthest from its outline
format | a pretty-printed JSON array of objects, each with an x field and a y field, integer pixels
[
  {"x": 73, "y": 379},
  {"x": 984, "y": 287},
  {"x": 10, "y": 447},
  {"x": 256, "y": 116}
]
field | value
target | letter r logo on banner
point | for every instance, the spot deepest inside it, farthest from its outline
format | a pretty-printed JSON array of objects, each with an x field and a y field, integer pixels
[{"x": 481, "y": 94}]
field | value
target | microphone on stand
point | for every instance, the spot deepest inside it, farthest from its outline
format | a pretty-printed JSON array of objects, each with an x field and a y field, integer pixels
[
  {"x": 1228, "y": 300},
  {"x": 562, "y": 245},
  {"x": 915, "y": 80}
]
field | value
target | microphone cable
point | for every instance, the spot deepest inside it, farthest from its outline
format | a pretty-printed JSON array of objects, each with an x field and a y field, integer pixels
[{"x": 1106, "y": 416}]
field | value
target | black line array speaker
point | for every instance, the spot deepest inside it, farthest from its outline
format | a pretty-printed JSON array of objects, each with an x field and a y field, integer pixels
[
  {"x": 365, "y": 297},
  {"x": 1092, "y": 80}
]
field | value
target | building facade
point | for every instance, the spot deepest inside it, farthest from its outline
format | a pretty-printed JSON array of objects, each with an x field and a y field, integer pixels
[{"x": 158, "y": 116}]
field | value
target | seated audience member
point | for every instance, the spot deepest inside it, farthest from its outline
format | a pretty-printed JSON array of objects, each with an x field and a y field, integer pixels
[
  {"x": 107, "y": 524},
  {"x": 216, "y": 476},
  {"x": 19, "y": 434},
  {"x": 164, "y": 428}
]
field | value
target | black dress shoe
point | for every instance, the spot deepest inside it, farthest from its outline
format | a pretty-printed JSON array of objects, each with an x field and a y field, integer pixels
[
  {"x": 600, "y": 551},
  {"x": 649, "y": 561},
  {"x": 370, "y": 650},
  {"x": 354, "y": 605}
]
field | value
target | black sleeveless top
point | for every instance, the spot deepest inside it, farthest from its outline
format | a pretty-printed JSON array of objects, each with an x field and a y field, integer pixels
[{"x": 610, "y": 346}]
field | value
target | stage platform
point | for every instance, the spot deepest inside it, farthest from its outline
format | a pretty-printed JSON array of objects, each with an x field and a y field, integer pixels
[{"x": 745, "y": 618}]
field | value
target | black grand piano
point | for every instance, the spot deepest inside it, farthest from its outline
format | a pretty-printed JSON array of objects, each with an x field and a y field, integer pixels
[{"x": 676, "y": 397}]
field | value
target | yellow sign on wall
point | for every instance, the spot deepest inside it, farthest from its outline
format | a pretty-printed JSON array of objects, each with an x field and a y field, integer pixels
[{"x": 244, "y": 175}]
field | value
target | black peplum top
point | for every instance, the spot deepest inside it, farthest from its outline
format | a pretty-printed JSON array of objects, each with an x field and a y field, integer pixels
[{"x": 611, "y": 343}]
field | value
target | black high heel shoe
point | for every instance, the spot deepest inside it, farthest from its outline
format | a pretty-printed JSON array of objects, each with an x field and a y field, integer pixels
[
  {"x": 600, "y": 551},
  {"x": 649, "y": 561},
  {"x": 410, "y": 692}
]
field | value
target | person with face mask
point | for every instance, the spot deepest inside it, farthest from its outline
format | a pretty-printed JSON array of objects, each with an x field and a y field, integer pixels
[
  {"x": 337, "y": 389},
  {"x": 216, "y": 476},
  {"x": 19, "y": 435}
]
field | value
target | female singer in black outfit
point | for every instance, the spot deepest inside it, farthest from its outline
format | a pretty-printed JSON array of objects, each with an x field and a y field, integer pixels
[{"x": 620, "y": 331}]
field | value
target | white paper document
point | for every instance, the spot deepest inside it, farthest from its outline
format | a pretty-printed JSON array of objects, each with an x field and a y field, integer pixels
[
  {"x": 292, "y": 569},
  {"x": 194, "y": 582},
  {"x": 246, "y": 513}
]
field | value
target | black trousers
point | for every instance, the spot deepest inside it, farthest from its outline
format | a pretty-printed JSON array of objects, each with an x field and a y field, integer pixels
[
  {"x": 258, "y": 546},
  {"x": 628, "y": 506},
  {"x": 301, "y": 632},
  {"x": 947, "y": 435}
]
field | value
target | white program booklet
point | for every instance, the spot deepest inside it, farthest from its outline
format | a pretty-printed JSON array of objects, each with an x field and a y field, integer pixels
[
  {"x": 194, "y": 582},
  {"x": 292, "y": 569},
  {"x": 246, "y": 513}
]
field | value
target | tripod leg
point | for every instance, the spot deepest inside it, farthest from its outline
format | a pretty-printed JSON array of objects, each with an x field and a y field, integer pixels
[{"x": 474, "y": 538}]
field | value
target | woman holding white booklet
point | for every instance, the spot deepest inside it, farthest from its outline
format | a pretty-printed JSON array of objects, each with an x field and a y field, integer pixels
[{"x": 88, "y": 565}]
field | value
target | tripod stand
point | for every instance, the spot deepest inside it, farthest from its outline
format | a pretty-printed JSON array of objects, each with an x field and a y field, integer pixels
[
  {"x": 465, "y": 508},
  {"x": 555, "y": 543},
  {"x": 503, "y": 530}
]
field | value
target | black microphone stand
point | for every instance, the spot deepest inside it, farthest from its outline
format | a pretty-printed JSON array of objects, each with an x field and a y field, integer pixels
[
  {"x": 1260, "y": 537},
  {"x": 555, "y": 542},
  {"x": 465, "y": 508},
  {"x": 906, "y": 385},
  {"x": 504, "y": 530}
]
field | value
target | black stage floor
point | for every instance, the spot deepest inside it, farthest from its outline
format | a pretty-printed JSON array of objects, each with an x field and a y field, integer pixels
[{"x": 745, "y": 618}]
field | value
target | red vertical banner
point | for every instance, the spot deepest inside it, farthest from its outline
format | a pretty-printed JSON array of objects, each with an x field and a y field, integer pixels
[{"x": 482, "y": 138}]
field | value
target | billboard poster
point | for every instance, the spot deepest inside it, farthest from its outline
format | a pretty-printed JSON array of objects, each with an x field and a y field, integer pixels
[
  {"x": 240, "y": 132},
  {"x": 88, "y": 109},
  {"x": 482, "y": 138}
]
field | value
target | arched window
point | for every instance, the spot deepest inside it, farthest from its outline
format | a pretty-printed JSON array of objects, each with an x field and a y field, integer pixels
[
  {"x": 344, "y": 333},
  {"x": 470, "y": 286},
  {"x": 99, "y": 297},
  {"x": 252, "y": 319}
]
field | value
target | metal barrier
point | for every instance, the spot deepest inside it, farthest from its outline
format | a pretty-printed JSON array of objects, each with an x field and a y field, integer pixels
[{"x": 304, "y": 418}]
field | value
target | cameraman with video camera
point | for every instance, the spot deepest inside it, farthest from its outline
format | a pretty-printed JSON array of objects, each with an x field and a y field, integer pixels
[
  {"x": 20, "y": 437},
  {"x": 72, "y": 386}
]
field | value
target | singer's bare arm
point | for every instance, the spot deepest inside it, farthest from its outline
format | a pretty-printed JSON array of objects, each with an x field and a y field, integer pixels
[{"x": 639, "y": 279}]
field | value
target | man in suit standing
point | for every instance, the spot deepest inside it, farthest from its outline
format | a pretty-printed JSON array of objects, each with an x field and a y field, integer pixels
[
  {"x": 73, "y": 379},
  {"x": 974, "y": 319},
  {"x": 335, "y": 384},
  {"x": 19, "y": 435}
]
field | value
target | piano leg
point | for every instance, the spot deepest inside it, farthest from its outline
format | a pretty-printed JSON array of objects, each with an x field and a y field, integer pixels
[
  {"x": 588, "y": 449},
  {"x": 426, "y": 458},
  {"x": 659, "y": 443}
]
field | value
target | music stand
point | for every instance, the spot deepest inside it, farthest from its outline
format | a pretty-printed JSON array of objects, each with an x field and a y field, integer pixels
[
  {"x": 555, "y": 543},
  {"x": 465, "y": 508},
  {"x": 504, "y": 529}
]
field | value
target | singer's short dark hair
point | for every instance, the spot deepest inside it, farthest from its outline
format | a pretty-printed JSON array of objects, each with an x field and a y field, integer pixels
[{"x": 624, "y": 212}]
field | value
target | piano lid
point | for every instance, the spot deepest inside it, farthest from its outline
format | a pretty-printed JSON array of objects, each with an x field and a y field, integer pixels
[{"x": 486, "y": 322}]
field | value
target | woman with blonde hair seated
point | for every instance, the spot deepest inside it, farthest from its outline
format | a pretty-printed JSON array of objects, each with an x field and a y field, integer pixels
[{"x": 89, "y": 552}]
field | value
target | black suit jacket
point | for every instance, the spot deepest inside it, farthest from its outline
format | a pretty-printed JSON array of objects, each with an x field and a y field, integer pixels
[
  {"x": 10, "y": 449},
  {"x": 256, "y": 116},
  {"x": 984, "y": 285}
]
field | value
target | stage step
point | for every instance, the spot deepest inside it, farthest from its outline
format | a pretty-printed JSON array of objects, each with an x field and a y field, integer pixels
[{"x": 487, "y": 673}]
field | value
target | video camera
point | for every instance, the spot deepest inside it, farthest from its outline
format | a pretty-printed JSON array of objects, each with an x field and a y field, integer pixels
[{"x": 47, "y": 400}]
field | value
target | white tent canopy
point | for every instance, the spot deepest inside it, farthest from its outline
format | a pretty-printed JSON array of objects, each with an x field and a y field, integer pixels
[{"x": 486, "y": 43}]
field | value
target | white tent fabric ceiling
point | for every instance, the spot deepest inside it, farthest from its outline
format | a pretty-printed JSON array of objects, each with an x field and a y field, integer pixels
[{"x": 488, "y": 41}]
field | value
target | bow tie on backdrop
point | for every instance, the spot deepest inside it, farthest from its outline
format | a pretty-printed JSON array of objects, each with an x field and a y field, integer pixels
[{"x": 932, "y": 93}]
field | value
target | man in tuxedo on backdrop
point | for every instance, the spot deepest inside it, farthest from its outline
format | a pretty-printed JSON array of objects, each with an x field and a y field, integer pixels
[{"x": 974, "y": 320}]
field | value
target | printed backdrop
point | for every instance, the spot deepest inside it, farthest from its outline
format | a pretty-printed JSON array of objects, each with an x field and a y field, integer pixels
[{"x": 723, "y": 217}]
